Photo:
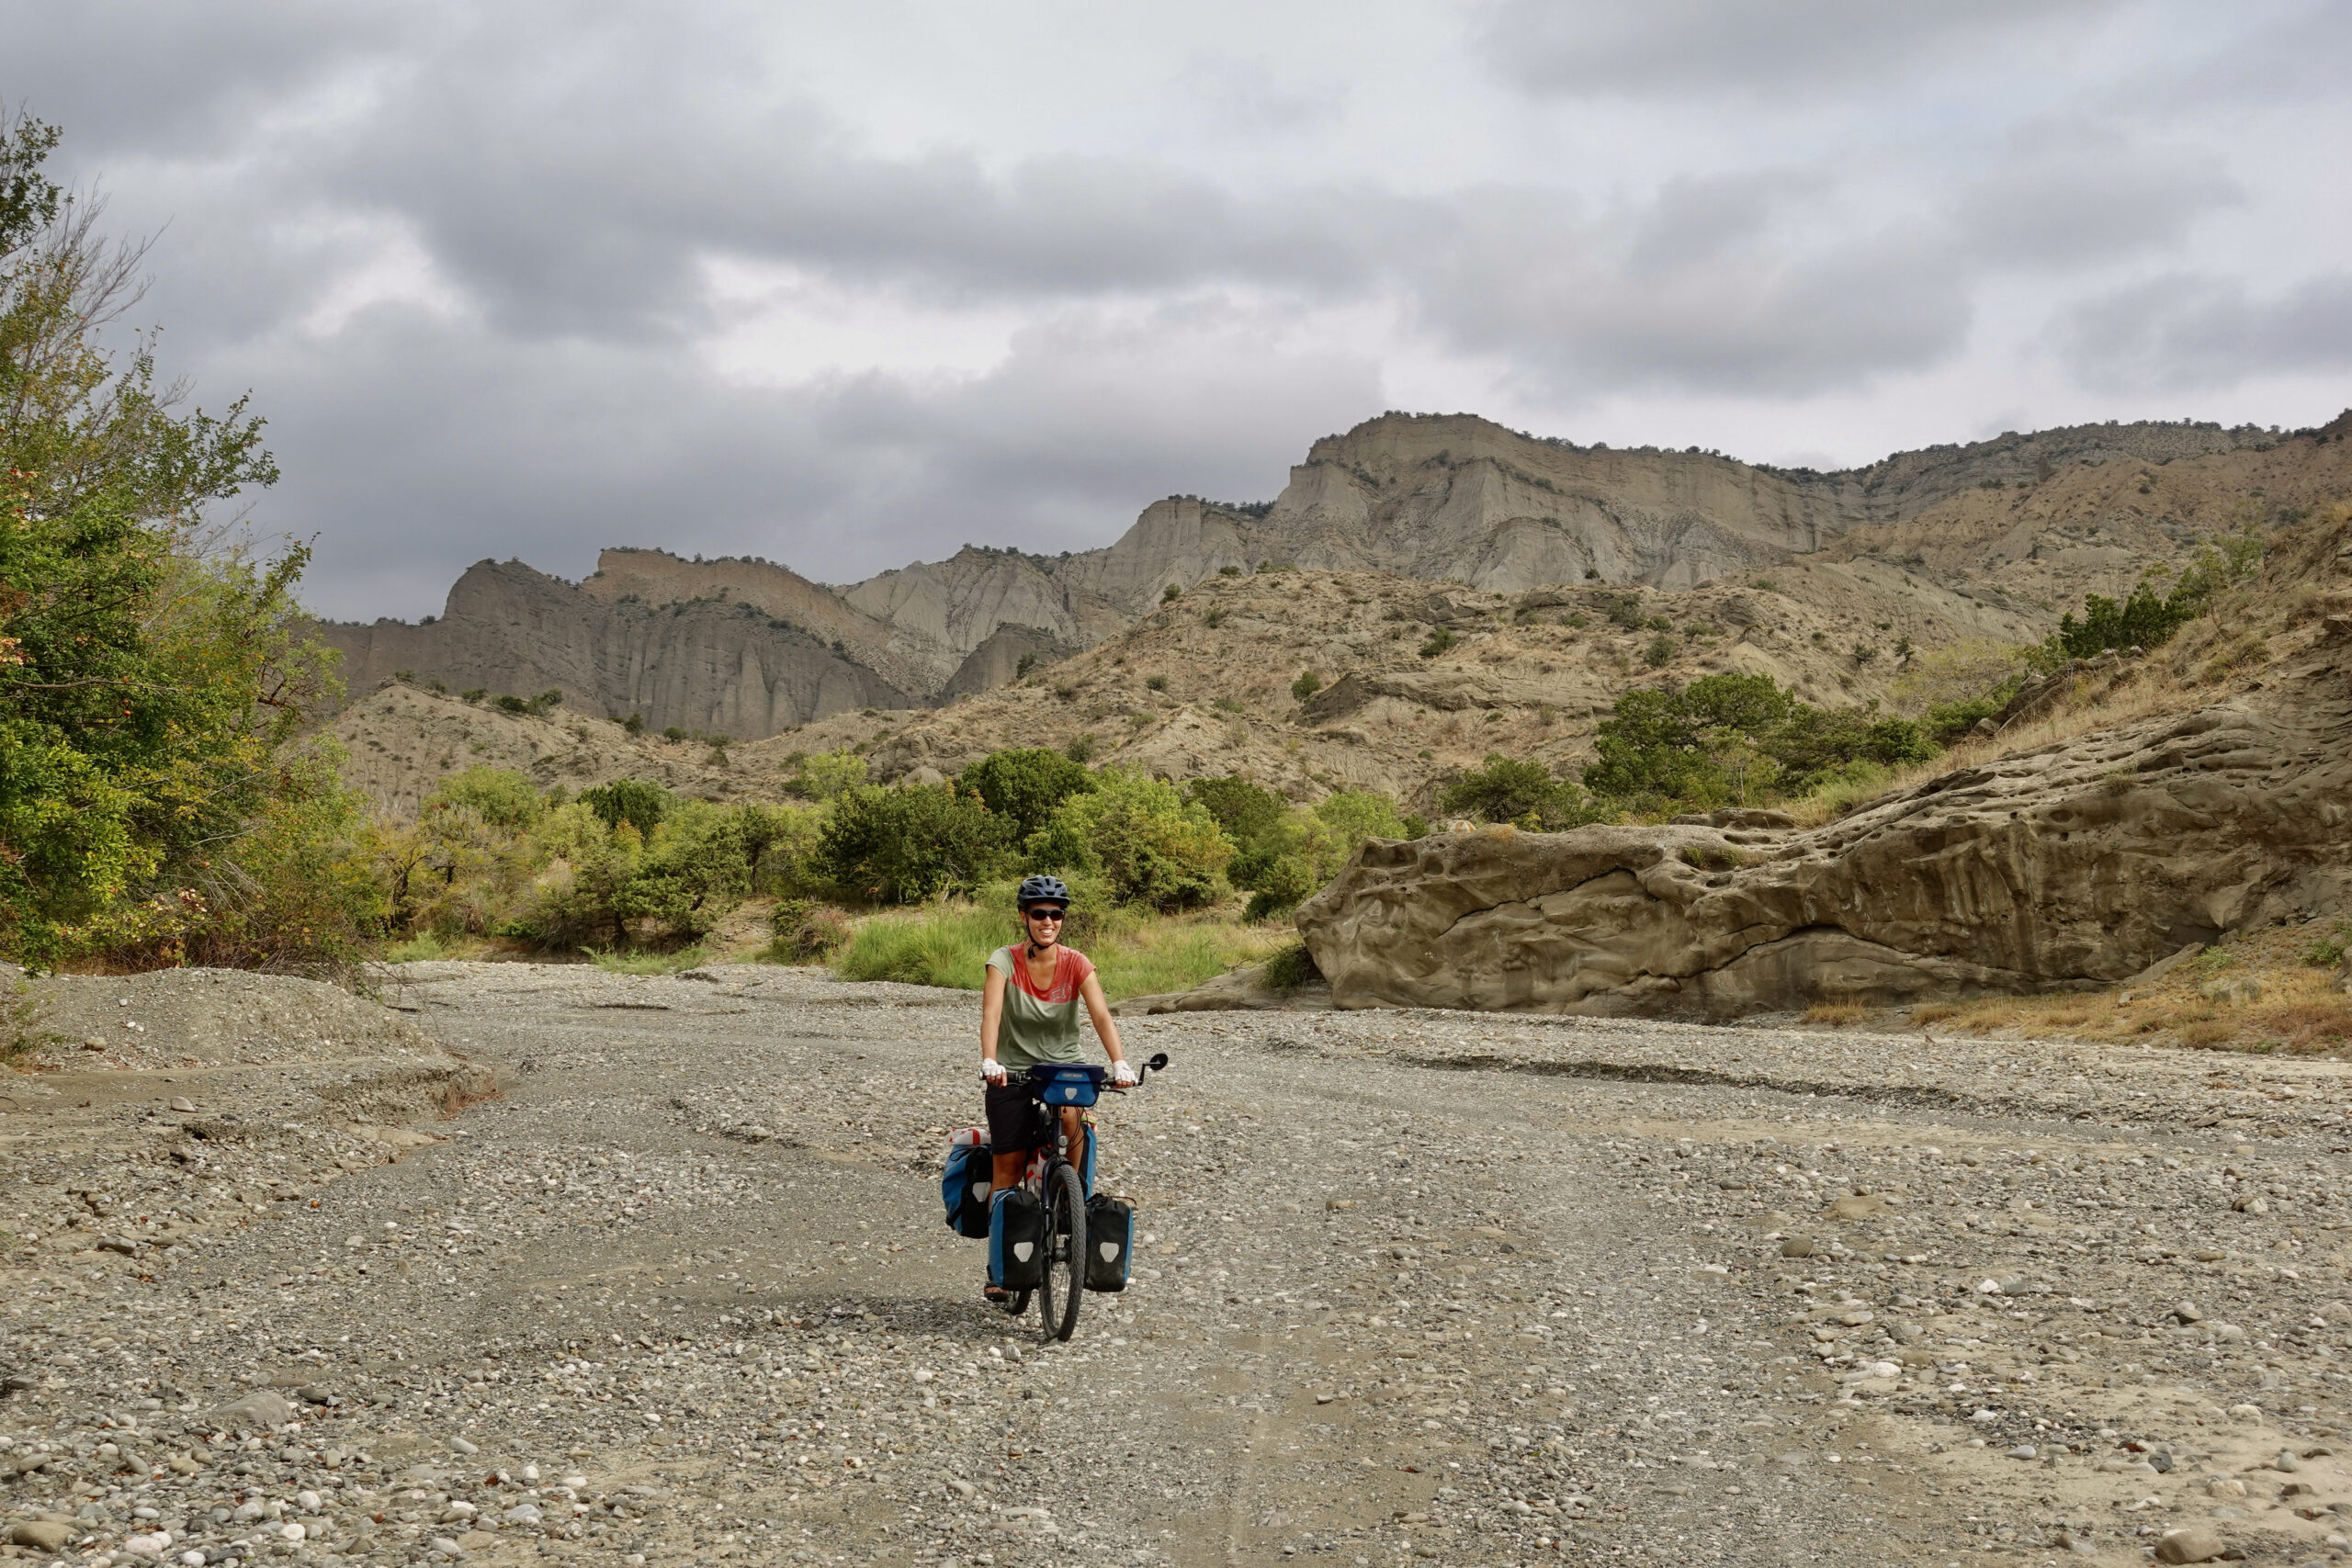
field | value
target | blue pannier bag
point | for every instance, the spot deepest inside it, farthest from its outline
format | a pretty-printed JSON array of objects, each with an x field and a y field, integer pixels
[
  {"x": 1067, "y": 1083},
  {"x": 1016, "y": 1240},
  {"x": 964, "y": 1185},
  {"x": 1110, "y": 1242}
]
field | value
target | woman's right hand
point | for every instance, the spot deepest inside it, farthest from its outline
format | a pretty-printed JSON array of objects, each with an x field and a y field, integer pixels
[{"x": 993, "y": 1071}]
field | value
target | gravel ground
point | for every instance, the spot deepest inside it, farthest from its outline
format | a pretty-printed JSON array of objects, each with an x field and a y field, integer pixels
[{"x": 1415, "y": 1286}]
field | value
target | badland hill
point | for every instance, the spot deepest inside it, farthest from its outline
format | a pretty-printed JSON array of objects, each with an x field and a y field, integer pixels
[{"x": 1554, "y": 571}]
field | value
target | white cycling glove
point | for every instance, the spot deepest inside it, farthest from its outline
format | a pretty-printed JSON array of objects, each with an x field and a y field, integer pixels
[
  {"x": 992, "y": 1070},
  {"x": 1121, "y": 1073}
]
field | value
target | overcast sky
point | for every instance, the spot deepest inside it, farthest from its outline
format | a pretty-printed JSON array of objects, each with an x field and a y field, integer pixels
[{"x": 847, "y": 285}]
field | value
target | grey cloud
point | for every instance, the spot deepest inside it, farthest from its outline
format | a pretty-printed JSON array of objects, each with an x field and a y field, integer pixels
[
  {"x": 1749, "y": 310},
  {"x": 425, "y": 443},
  {"x": 1243, "y": 96},
  {"x": 2198, "y": 330},
  {"x": 2072, "y": 192},
  {"x": 1604, "y": 47}
]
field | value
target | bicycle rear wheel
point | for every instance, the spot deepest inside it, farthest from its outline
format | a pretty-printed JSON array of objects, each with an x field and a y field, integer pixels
[{"x": 1065, "y": 1281}]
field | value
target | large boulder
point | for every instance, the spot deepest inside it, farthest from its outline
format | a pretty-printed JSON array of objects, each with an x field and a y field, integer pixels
[{"x": 2076, "y": 864}]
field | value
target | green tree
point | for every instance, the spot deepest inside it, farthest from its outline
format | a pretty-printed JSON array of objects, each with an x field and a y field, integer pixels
[
  {"x": 1151, "y": 844},
  {"x": 1698, "y": 745},
  {"x": 501, "y": 796},
  {"x": 900, "y": 846},
  {"x": 826, "y": 775},
  {"x": 638, "y": 802},
  {"x": 152, "y": 669},
  {"x": 1524, "y": 793},
  {"x": 1024, "y": 785}
]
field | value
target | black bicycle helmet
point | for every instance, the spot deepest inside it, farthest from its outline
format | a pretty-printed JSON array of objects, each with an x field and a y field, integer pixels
[{"x": 1040, "y": 891}]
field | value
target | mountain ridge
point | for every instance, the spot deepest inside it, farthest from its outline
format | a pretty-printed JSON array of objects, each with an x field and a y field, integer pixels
[{"x": 2021, "y": 522}]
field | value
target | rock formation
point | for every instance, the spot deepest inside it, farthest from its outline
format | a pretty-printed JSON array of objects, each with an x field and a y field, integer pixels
[
  {"x": 714, "y": 667},
  {"x": 2076, "y": 864},
  {"x": 1993, "y": 531}
]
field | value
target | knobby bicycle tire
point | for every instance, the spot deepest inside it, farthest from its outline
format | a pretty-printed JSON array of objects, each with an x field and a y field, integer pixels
[{"x": 1058, "y": 1297}]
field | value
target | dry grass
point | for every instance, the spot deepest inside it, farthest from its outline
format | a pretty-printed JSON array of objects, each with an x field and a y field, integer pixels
[
  {"x": 2151, "y": 690},
  {"x": 2299, "y": 1010},
  {"x": 1837, "y": 1015}
]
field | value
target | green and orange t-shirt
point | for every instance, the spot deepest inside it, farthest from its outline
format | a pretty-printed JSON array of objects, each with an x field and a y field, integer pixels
[{"x": 1043, "y": 1003}]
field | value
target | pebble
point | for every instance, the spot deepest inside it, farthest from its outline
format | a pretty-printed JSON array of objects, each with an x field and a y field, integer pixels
[{"x": 2190, "y": 1543}]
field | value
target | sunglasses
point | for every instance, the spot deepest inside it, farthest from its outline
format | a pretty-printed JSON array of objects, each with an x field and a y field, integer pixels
[{"x": 1044, "y": 914}]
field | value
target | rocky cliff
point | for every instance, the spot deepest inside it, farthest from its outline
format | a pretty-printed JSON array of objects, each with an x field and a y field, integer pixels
[
  {"x": 2018, "y": 526},
  {"x": 2076, "y": 863},
  {"x": 711, "y": 666}
]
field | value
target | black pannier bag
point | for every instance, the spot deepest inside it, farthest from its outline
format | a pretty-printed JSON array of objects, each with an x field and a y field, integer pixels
[
  {"x": 1017, "y": 1241},
  {"x": 1110, "y": 1242}
]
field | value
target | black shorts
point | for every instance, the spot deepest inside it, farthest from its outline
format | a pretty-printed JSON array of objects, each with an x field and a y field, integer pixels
[{"x": 1017, "y": 1124}]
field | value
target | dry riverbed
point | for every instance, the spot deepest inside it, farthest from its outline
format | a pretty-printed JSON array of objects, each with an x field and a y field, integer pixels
[{"x": 547, "y": 1265}]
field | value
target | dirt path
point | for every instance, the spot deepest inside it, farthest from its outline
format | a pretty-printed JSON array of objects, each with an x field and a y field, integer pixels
[{"x": 1424, "y": 1287}]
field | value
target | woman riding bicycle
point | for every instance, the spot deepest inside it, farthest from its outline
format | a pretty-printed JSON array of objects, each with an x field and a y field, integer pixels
[{"x": 1028, "y": 1015}]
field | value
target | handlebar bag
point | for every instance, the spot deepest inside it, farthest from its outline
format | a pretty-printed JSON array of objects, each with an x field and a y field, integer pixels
[
  {"x": 1016, "y": 1240},
  {"x": 1067, "y": 1083},
  {"x": 1110, "y": 1242},
  {"x": 965, "y": 1183}
]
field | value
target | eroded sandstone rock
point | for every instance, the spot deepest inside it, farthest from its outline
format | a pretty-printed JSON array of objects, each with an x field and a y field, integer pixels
[{"x": 2080, "y": 864}]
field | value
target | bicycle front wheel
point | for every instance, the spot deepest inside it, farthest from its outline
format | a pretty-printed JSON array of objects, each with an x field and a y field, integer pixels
[{"x": 1065, "y": 1281}]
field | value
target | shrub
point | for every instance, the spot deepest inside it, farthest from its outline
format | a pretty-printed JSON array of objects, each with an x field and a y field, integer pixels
[
  {"x": 1813, "y": 745},
  {"x": 1151, "y": 844},
  {"x": 900, "y": 846},
  {"x": 1025, "y": 784},
  {"x": 1291, "y": 969},
  {"x": 1660, "y": 649},
  {"x": 1698, "y": 745},
  {"x": 1623, "y": 610},
  {"x": 1228, "y": 571},
  {"x": 826, "y": 774},
  {"x": 804, "y": 932},
  {"x": 1156, "y": 683},
  {"x": 498, "y": 796},
  {"x": 1306, "y": 685},
  {"x": 638, "y": 802},
  {"x": 1080, "y": 748},
  {"x": 1439, "y": 641},
  {"x": 1214, "y": 618},
  {"x": 1169, "y": 594},
  {"x": 1509, "y": 789}
]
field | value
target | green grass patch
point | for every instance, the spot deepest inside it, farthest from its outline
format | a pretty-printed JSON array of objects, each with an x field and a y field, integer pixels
[
  {"x": 416, "y": 950},
  {"x": 1134, "y": 954}
]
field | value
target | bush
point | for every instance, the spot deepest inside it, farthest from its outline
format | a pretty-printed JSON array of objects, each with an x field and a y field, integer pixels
[
  {"x": 1306, "y": 685},
  {"x": 1439, "y": 641},
  {"x": 1815, "y": 745},
  {"x": 1025, "y": 786},
  {"x": 900, "y": 846},
  {"x": 827, "y": 774},
  {"x": 1697, "y": 746},
  {"x": 1509, "y": 789},
  {"x": 804, "y": 932},
  {"x": 1151, "y": 844},
  {"x": 1169, "y": 594},
  {"x": 1291, "y": 969},
  {"x": 1660, "y": 649},
  {"x": 498, "y": 796},
  {"x": 638, "y": 802}
]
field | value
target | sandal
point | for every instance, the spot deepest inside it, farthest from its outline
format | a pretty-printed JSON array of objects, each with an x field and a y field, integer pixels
[{"x": 996, "y": 1293}]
